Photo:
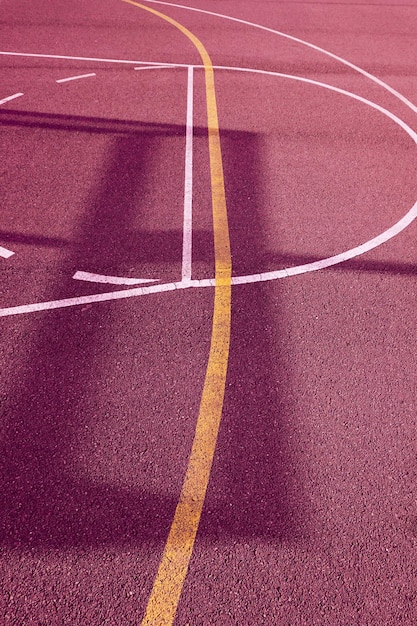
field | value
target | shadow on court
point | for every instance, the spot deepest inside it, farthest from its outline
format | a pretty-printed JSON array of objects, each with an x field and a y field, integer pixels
[
  {"x": 255, "y": 491},
  {"x": 47, "y": 501}
]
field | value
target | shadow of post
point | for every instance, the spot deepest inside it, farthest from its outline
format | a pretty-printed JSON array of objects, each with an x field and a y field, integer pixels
[
  {"x": 46, "y": 501},
  {"x": 253, "y": 490}
]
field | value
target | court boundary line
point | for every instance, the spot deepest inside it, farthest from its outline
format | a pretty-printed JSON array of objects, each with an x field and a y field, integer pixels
[
  {"x": 313, "y": 46},
  {"x": 63, "y": 57},
  {"x": 372, "y": 243}
]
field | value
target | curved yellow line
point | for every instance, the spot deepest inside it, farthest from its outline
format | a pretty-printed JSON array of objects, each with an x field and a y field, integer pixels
[{"x": 167, "y": 587}]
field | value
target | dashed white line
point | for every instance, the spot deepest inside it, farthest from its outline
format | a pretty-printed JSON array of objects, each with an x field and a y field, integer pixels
[
  {"x": 188, "y": 183},
  {"x": 112, "y": 280},
  {"x": 67, "y": 80},
  {"x": 15, "y": 95},
  {"x": 6, "y": 254}
]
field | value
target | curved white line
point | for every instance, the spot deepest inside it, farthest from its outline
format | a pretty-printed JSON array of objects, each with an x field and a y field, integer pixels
[
  {"x": 358, "y": 250},
  {"x": 253, "y": 278},
  {"x": 333, "y": 260},
  {"x": 379, "y": 82},
  {"x": 112, "y": 280}
]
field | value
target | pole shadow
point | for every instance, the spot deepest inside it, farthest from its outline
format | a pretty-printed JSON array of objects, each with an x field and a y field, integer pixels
[{"x": 254, "y": 490}]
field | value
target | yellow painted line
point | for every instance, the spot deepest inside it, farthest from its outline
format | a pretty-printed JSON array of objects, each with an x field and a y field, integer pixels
[{"x": 167, "y": 587}]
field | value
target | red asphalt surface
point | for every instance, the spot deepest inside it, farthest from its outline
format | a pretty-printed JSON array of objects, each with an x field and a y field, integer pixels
[{"x": 311, "y": 510}]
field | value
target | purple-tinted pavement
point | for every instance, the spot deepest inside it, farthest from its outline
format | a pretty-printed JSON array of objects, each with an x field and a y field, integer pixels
[{"x": 311, "y": 511}]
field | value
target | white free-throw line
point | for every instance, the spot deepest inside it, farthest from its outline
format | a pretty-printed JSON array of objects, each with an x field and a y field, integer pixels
[
  {"x": 380, "y": 82},
  {"x": 15, "y": 95},
  {"x": 67, "y": 80},
  {"x": 5, "y": 253},
  {"x": 93, "y": 59},
  {"x": 188, "y": 183},
  {"x": 394, "y": 230},
  {"x": 112, "y": 280}
]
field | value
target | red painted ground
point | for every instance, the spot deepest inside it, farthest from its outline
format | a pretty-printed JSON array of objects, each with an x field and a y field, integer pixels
[{"x": 311, "y": 512}]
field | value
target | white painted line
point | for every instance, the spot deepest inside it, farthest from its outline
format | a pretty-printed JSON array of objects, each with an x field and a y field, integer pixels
[
  {"x": 93, "y": 59},
  {"x": 310, "y": 81},
  {"x": 15, "y": 95},
  {"x": 381, "y": 83},
  {"x": 67, "y": 80},
  {"x": 391, "y": 232},
  {"x": 187, "y": 241},
  {"x": 154, "y": 67},
  {"x": 112, "y": 280},
  {"x": 6, "y": 254},
  {"x": 333, "y": 260},
  {"x": 99, "y": 297}
]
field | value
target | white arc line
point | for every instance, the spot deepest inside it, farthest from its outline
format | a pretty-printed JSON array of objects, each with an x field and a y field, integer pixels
[
  {"x": 383, "y": 237},
  {"x": 67, "y": 80},
  {"x": 15, "y": 95},
  {"x": 112, "y": 280},
  {"x": 188, "y": 184},
  {"x": 332, "y": 260},
  {"x": 379, "y": 82},
  {"x": 5, "y": 253}
]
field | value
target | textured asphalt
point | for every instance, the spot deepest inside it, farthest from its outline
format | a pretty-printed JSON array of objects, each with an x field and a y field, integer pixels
[{"x": 311, "y": 511}]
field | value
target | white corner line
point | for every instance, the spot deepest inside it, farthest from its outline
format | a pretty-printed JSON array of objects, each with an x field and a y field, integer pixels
[
  {"x": 188, "y": 183},
  {"x": 15, "y": 95},
  {"x": 6, "y": 254},
  {"x": 112, "y": 280},
  {"x": 67, "y": 80}
]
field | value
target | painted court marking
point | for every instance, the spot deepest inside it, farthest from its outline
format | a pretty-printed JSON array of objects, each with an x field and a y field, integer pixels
[
  {"x": 111, "y": 280},
  {"x": 173, "y": 567},
  {"x": 9, "y": 98},
  {"x": 6, "y": 254},
  {"x": 155, "y": 67},
  {"x": 356, "y": 68},
  {"x": 186, "y": 282},
  {"x": 91, "y": 59},
  {"x": 71, "y": 78},
  {"x": 188, "y": 183}
]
